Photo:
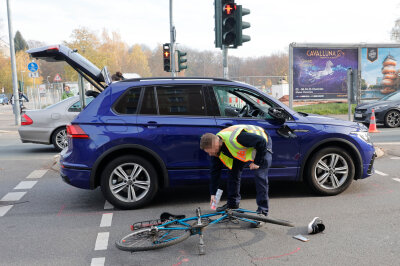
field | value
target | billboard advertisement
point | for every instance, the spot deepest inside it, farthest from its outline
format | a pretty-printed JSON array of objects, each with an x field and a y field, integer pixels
[
  {"x": 380, "y": 71},
  {"x": 321, "y": 73}
]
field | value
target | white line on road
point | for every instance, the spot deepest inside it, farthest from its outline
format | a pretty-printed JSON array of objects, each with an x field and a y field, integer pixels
[
  {"x": 380, "y": 173},
  {"x": 98, "y": 261},
  {"x": 108, "y": 206},
  {"x": 102, "y": 241},
  {"x": 13, "y": 196},
  {"x": 386, "y": 143},
  {"x": 395, "y": 158},
  {"x": 5, "y": 209},
  {"x": 25, "y": 185},
  {"x": 106, "y": 220},
  {"x": 396, "y": 179},
  {"x": 37, "y": 174}
]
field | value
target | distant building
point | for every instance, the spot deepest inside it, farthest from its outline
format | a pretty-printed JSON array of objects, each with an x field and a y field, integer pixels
[
  {"x": 278, "y": 91},
  {"x": 4, "y": 48}
]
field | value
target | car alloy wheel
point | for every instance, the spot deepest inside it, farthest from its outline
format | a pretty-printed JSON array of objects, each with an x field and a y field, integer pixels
[
  {"x": 129, "y": 182},
  {"x": 60, "y": 139},
  {"x": 392, "y": 119},
  {"x": 331, "y": 171}
]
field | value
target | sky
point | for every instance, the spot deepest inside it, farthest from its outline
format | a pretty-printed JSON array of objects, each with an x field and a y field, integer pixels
[{"x": 274, "y": 24}]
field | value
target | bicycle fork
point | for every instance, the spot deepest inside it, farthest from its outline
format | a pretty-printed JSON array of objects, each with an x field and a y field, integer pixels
[{"x": 200, "y": 232}]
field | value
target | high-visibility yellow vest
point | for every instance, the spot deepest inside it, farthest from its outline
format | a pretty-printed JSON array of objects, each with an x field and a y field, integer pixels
[{"x": 229, "y": 137}]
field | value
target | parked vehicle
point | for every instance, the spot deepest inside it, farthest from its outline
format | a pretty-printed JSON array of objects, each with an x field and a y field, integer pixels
[
  {"x": 3, "y": 99},
  {"x": 387, "y": 110},
  {"x": 48, "y": 126},
  {"x": 140, "y": 135}
]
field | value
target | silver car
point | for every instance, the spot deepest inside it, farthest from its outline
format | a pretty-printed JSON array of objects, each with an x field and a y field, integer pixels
[{"x": 48, "y": 126}]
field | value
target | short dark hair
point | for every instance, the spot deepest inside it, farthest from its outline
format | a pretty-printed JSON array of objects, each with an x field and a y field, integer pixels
[{"x": 207, "y": 140}]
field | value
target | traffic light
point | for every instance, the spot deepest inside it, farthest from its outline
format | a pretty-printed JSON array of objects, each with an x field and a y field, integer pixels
[
  {"x": 167, "y": 57},
  {"x": 225, "y": 22},
  {"x": 240, "y": 25},
  {"x": 181, "y": 60}
]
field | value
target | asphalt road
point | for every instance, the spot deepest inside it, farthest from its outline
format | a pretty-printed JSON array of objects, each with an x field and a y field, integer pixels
[{"x": 52, "y": 223}]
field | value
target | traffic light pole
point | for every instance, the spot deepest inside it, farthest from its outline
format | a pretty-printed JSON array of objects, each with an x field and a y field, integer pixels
[
  {"x": 225, "y": 61},
  {"x": 13, "y": 69},
  {"x": 172, "y": 40}
]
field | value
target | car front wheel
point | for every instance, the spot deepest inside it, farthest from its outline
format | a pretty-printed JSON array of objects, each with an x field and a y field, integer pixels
[
  {"x": 59, "y": 139},
  {"x": 330, "y": 171},
  {"x": 129, "y": 182},
  {"x": 392, "y": 119}
]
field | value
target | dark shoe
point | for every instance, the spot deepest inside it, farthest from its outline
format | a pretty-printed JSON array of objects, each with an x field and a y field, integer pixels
[
  {"x": 259, "y": 224},
  {"x": 226, "y": 206},
  {"x": 316, "y": 226}
]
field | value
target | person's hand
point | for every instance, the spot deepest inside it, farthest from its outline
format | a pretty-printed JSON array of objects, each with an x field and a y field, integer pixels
[
  {"x": 253, "y": 166},
  {"x": 212, "y": 200}
]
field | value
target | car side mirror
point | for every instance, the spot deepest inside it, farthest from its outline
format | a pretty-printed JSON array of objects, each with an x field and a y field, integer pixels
[
  {"x": 277, "y": 113},
  {"x": 94, "y": 94}
]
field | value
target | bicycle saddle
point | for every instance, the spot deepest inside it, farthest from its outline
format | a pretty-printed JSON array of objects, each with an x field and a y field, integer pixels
[{"x": 169, "y": 216}]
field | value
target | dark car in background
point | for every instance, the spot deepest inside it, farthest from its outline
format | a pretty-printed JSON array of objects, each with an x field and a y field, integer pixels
[
  {"x": 387, "y": 110},
  {"x": 140, "y": 135}
]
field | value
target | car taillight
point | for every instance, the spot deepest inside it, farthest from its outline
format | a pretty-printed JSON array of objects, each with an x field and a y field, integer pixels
[
  {"x": 26, "y": 120},
  {"x": 75, "y": 131}
]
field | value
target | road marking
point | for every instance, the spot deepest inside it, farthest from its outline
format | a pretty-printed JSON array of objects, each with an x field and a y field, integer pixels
[
  {"x": 5, "y": 209},
  {"x": 98, "y": 261},
  {"x": 102, "y": 241},
  {"x": 26, "y": 185},
  {"x": 386, "y": 143},
  {"x": 396, "y": 179},
  {"x": 37, "y": 174},
  {"x": 108, "y": 206},
  {"x": 380, "y": 173},
  {"x": 106, "y": 220},
  {"x": 13, "y": 196},
  {"x": 395, "y": 158}
]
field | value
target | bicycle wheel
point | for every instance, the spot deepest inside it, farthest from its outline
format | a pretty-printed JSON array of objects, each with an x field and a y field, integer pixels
[
  {"x": 151, "y": 238},
  {"x": 263, "y": 219}
]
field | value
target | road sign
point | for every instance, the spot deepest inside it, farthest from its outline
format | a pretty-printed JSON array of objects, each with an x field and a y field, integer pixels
[
  {"x": 33, "y": 74},
  {"x": 33, "y": 67},
  {"x": 57, "y": 77}
]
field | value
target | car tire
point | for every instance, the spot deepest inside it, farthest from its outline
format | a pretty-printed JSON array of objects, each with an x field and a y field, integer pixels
[
  {"x": 330, "y": 171},
  {"x": 134, "y": 180},
  {"x": 59, "y": 138},
  {"x": 392, "y": 119}
]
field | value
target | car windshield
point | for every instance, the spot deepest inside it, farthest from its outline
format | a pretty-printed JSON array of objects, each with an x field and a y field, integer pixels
[{"x": 395, "y": 96}]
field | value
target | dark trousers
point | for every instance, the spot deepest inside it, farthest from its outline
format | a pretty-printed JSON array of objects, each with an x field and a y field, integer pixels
[{"x": 261, "y": 182}]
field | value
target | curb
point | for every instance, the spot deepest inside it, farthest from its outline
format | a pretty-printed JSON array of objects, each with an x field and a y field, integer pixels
[{"x": 379, "y": 152}]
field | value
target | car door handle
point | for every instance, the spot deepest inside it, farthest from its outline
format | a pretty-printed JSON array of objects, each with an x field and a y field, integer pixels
[{"x": 151, "y": 124}]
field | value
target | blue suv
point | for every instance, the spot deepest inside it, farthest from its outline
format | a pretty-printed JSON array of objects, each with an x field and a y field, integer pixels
[{"x": 140, "y": 135}]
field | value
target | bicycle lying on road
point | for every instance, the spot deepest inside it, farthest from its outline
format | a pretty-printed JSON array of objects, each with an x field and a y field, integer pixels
[{"x": 157, "y": 234}]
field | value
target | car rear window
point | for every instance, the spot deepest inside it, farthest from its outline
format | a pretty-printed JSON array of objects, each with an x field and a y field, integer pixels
[
  {"x": 181, "y": 100},
  {"x": 128, "y": 102}
]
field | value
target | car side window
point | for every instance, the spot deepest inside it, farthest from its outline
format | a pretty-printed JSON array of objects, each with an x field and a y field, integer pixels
[
  {"x": 76, "y": 107},
  {"x": 232, "y": 100},
  {"x": 181, "y": 100},
  {"x": 128, "y": 102},
  {"x": 148, "y": 106}
]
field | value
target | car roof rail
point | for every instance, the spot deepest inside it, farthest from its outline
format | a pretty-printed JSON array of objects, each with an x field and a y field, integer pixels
[{"x": 176, "y": 78}]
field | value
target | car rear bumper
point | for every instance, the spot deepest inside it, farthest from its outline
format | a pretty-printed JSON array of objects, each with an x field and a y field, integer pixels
[
  {"x": 34, "y": 135},
  {"x": 79, "y": 178}
]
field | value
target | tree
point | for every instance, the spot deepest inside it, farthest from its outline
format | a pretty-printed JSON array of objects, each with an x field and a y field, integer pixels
[
  {"x": 137, "y": 62},
  {"x": 19, "y": 42}
]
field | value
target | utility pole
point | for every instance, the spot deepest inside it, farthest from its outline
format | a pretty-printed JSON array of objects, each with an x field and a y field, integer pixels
[
  {"x": 17, "y": 110},
  {"x": 225, "y": 61},
  {"x": 172, "y": 39}
]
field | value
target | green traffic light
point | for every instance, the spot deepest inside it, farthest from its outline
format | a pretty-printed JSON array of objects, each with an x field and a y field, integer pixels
[{"x": 181, "y": 60}]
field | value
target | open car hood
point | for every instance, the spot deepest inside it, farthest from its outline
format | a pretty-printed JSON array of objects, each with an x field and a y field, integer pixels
[{"x": 86, "y": 68}]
